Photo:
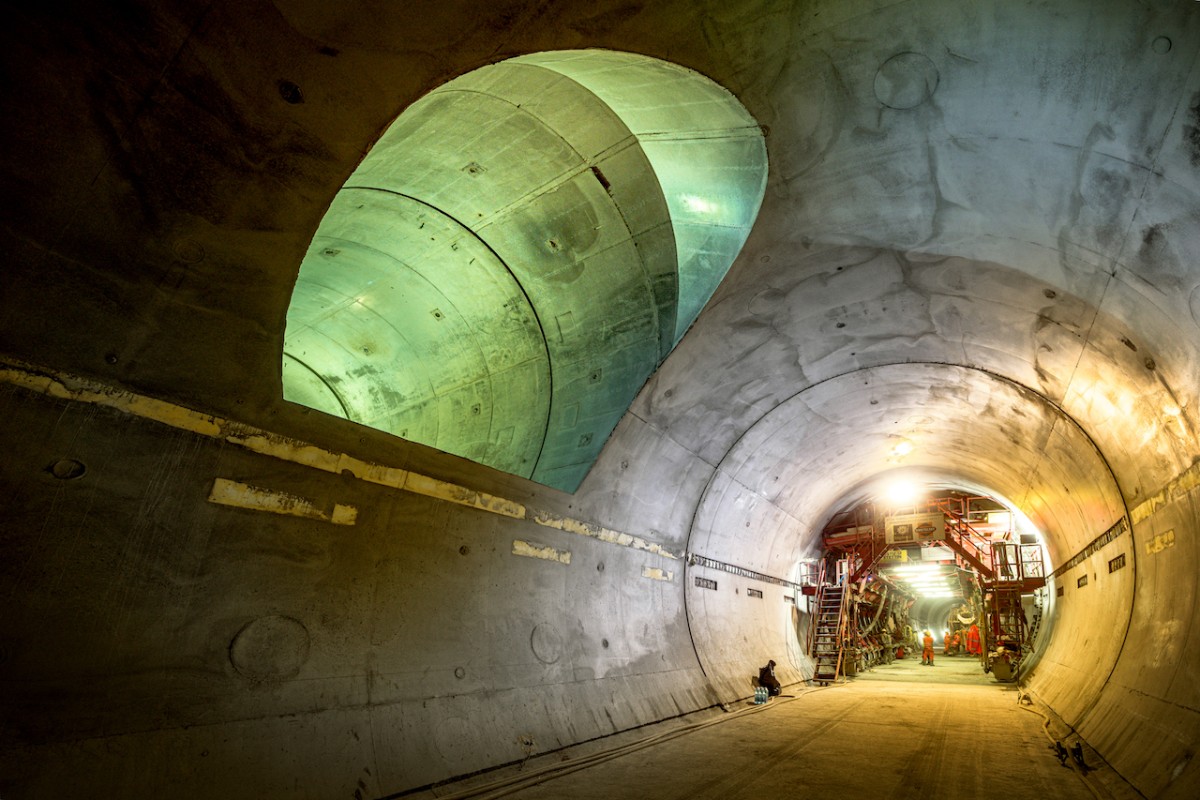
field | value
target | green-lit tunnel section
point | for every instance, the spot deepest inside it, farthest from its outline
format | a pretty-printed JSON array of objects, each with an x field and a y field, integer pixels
[{"x": 519, "y": 251}]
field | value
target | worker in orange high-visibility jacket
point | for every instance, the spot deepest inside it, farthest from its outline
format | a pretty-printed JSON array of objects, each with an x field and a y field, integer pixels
[
  {"x": 927, "y": 652},
  {"x": 973, "y": 646}
]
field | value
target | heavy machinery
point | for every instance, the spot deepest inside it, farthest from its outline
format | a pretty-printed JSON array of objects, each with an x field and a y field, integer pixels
[{"x": 950, "y": 546}]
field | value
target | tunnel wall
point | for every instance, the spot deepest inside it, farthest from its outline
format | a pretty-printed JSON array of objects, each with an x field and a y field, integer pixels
[
  {"x": 1031, "y": 215},
  {"x": 320, "y": 628},
  {"x": 1132, "y": 694},
  {"x": 1147, "y": 715}
]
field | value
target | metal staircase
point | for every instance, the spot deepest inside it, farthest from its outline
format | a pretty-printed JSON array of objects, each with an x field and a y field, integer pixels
[
  {"x": 828, "y": 634},
  {"x": 965, "y": 541}
]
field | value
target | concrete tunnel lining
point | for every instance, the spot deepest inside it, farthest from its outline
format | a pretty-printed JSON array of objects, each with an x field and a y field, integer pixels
[
  {"x": 1033, "y": 216},
  {"x": 562, "y": 217},
  {"x": 834, "y": 444}
]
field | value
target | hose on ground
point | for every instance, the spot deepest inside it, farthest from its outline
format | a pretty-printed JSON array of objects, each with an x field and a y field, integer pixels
[{"x": 1021, "y": 696}]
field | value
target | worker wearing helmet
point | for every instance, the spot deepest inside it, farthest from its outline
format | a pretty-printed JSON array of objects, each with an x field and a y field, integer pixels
[{"x": 927, "y": 652}]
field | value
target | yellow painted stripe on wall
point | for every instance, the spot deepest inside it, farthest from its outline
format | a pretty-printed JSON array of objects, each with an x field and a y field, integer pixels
[
  {"x": 296, "y": 451},
  {"x": 530, "y": 550},
  {"x": 453, "y": 493},
  {"x": 568, "y": 525},
  {"x": 1185, "y": 482},
  {"x": 255, "y": 498}
]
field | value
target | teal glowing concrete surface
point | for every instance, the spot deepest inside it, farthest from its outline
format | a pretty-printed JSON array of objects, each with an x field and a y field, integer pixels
[{"x": 519, "y": 251}]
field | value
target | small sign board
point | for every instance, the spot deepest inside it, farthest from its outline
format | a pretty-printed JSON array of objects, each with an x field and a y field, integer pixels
[{"x": 915, "y": 528}]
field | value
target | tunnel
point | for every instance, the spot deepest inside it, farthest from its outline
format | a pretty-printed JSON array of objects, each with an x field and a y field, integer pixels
[{"x": 974, "y": 266}]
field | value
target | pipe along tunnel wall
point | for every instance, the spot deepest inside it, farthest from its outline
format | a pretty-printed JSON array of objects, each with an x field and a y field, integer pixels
[{"x": 979, "y": 235}]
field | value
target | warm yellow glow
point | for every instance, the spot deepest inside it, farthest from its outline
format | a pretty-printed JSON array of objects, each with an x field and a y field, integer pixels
[
  {"x": 902, "y": 448},
  {"x": 903, "y": 493}
]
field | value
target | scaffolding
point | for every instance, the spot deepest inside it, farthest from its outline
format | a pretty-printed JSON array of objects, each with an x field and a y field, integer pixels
[{"x": 1005, "y": 571}]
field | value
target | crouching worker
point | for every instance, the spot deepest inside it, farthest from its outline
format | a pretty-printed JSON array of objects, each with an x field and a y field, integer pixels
[{"x": 766, "y": 677}]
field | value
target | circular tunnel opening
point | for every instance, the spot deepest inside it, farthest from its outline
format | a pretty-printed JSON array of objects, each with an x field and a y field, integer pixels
[
  {"x": 519, "y": 251},
  {"x": 843, "y": 441},
  {"x": 959, "y": 565}
]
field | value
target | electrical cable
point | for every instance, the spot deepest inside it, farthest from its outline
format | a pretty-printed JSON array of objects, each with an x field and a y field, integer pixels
[{"x": 1046, "y": 729}]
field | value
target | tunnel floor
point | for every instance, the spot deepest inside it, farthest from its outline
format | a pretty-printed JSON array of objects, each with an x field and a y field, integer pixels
[
  {"x": 898, "y": 731},
  {"x": 961, "y": 670}
]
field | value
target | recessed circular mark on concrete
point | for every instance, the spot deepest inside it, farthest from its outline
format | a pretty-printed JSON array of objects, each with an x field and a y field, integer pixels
[
  {"x": 460, "y": 673},
  {"x": 270, "y": 647},
  {"x": 1161, "y": 45},
  {"x": 546, "y": 643},
  {"x": 67, "y": 469},
  {"x": 452, "y": 736},
  {"x": 188, "y": 251},
  {"x": 905, "y": 81}
]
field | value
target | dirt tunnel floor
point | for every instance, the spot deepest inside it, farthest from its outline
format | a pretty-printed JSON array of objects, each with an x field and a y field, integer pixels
[{"x": 898, "y": 731}]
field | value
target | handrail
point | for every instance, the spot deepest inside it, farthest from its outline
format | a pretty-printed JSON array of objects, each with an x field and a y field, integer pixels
[
  {"x": 843, "y": 620},
  {"x": 960, "y": 533},
  {"x": 813, "y": 617}
]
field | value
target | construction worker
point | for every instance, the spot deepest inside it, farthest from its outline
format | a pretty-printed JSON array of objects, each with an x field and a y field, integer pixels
[
  {"x": 973, "y": 646},
  {"x": 927, "y": 652},
  {"x": 766, "y": 677}
]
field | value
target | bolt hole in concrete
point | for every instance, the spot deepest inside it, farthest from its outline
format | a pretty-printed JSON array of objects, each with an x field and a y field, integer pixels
[
  {"x": 290, "y": 92},
  {"x": 67, "y": 469}
]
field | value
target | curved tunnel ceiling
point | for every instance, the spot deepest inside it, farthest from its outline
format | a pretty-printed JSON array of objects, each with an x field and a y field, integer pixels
[
  {"x": 838, "y": 442},
  {"x": 1001, "y": 272},
  {"x": 519, "y": 251},
  {"x": 981, "y": 235}
]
